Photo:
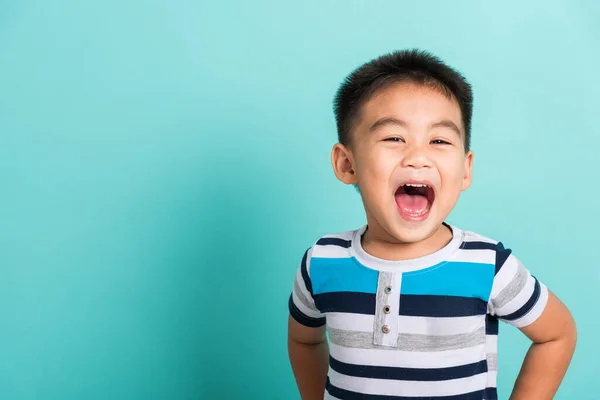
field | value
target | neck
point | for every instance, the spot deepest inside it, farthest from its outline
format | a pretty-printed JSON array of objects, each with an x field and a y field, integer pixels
[{"x": 382, "y": 245}]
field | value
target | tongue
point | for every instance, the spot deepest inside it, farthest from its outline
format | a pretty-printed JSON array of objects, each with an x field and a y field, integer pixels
[{"x": 412, "y": 204}]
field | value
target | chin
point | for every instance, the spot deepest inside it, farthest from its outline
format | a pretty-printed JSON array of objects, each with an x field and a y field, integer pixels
[{"x": 413, "y": 232}]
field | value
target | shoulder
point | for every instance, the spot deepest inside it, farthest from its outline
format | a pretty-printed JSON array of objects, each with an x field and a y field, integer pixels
[
  {"x": 330, "y": 246},
  {"x": 333, "y": 245},
  {"x": 473, "y": 241}
]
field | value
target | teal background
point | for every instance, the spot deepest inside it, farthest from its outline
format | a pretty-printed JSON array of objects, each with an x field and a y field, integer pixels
[{"x": 164, "y": 164}]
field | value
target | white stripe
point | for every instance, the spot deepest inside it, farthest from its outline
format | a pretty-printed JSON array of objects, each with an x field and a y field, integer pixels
[
  {"x": 476, "y": 256},
  {"x": 408, "y": 388},
  {"x": 351, "y": 322},
  {"x": 492, "y": 378},
  {"x": 409, "y": 324},
  {"x": 535, "y": 312},
  {"x": 330, "y": 251},
  {"x": 505, "y": 275},
  {"x": 408, "y": 359},
  {"x": 519, "y": 300},
  {"x": 491, "y": 344},
  {"x": 440, "y": 326}
]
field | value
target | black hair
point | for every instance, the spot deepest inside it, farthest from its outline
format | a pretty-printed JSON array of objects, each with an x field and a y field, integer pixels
[{"x": 415, "y": 66}]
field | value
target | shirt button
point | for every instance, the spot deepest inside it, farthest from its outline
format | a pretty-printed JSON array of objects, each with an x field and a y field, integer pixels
[
  {"x": 387, "y": 309},
  {"x": 385, "y": 329},
  {"x": 388, "y": 289}
]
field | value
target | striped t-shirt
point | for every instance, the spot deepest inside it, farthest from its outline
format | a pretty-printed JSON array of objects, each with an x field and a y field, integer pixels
[{"x": 417, "y": 329}]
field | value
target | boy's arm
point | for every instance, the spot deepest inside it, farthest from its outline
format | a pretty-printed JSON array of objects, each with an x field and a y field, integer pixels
[
  {"x": 519, "y": 299},
  {"x": 307, "y": 343},
  {"x": 554, "y": 336},
  {"x": 309, "y": 354}
]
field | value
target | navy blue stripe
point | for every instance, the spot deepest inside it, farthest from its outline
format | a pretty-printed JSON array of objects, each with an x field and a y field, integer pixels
[
  {"x": 409, "y": 374},
  {"x": 346, "y": 302},
  {"x": 304, "y": 272},
  {"x": 491, "y": 325},
  {"x": 478, "y": 246},
  {"x": 528, "y": 306},
  {"x": 441, "y": 306},
  {"x": 334, "y": 242},
  {"x": 491, "y": 393},
  {"x": 302, "y": 318},
  {"x": 410, "y": 305},
  {"x": 348, "y": 395},
  {"x": 502, "y": 255}
]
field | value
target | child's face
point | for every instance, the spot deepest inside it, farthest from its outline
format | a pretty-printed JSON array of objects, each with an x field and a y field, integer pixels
[{"x": 407, "y": 134}]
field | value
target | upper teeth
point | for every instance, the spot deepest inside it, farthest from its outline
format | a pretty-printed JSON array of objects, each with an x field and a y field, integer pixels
[{"x": 416, "y": 184}]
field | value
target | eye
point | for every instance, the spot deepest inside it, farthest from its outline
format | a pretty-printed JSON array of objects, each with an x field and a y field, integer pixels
[
  {"x": 440, "y": 141},
  {"x": 393, "y": 139}
]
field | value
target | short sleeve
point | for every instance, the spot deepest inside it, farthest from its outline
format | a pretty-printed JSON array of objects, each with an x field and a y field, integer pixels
[
  {"x": 517, "y": 297},
  {"x": 301, "y": 303}
]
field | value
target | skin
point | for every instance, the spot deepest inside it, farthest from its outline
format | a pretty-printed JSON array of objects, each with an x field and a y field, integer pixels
[
  {"x": 413, "y": 132},
  {"x": 425, "y": 144}
]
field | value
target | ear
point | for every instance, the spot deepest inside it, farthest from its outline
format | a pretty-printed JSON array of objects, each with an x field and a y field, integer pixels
[
  {"x": 343, "y": 164},
  {"x": 468, "y": 168}
]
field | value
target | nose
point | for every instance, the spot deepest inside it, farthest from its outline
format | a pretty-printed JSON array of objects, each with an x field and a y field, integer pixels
[{"x": 416, "y": 157}]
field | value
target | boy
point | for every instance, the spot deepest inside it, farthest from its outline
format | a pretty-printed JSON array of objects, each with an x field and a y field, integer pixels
[{"x": 410, "y": 303}]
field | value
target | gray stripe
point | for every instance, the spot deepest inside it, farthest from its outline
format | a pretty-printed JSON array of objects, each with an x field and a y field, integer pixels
[
  {"x": 414, "y": 342},
  {"x": 409, "y": 342},
  {"x": 385, "y": 279},
  {"x": 492, "y": 362},
  {"x": 302, "y": 297},
  {"x": 513, "y": 288}
]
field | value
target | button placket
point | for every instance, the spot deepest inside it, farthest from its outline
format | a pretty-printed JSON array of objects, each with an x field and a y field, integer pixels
[{"x": 386, "y": 315}]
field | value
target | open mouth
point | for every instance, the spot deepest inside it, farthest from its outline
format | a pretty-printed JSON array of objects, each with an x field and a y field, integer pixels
[{"x": 414, "y": 200}]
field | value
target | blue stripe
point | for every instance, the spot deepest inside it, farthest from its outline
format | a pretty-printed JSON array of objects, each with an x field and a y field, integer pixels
[
  {"x": 441, "y": 306},
  {"x": 304, "y": 273},
  {"x": 349, "y": 395},
  {"x": 346, "y": 302},
  {"x": 409, "y": 374},
  {"x": 302, "y": 318},
  {"x": 527, "y": 306},
  {"x": 462, "y": 279},
  {"x": 341, "y": 275},
  {"x": 334, "y": 242},
  {"x": 478, "y": 246}
]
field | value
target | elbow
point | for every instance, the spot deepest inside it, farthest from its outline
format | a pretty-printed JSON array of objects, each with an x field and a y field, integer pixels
[
  {"x": 572, "y": 334},
  {"x": 568, "y": 337}
]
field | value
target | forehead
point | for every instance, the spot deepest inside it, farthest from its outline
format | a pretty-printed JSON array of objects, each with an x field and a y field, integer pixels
[{"x": 416, "y": 104}]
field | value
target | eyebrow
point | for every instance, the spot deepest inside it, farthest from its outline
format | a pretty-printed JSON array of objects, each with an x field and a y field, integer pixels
[
  {"x": 387, "y": 121},
  {"x": 445, "y": 123}
]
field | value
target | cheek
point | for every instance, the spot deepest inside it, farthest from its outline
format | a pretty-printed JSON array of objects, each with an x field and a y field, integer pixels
[
  {"x": 376, "y": 167},
  {"x": 374, "y": 173},
  {"x": 452, "y": 171}
]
